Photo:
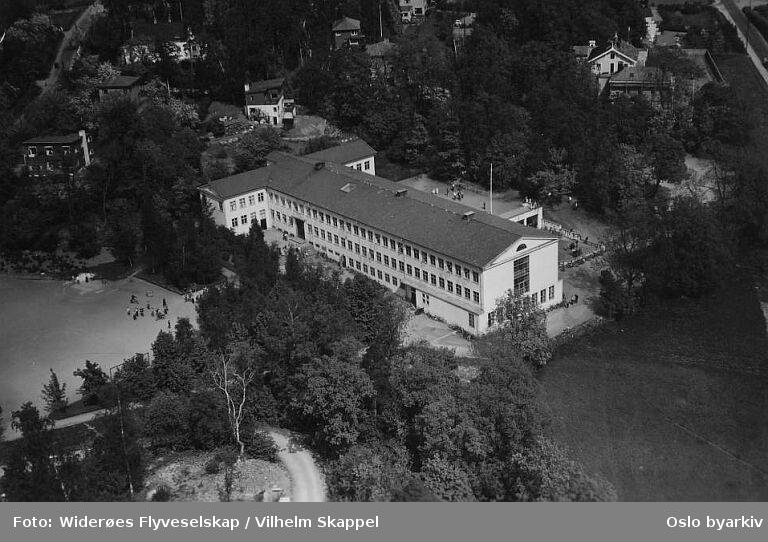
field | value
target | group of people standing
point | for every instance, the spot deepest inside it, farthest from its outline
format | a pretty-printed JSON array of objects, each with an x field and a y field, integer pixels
[{"x": 136, "y": 311}]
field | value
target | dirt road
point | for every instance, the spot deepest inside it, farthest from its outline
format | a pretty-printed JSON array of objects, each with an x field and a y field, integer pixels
[{"x": 308, "y": 484}]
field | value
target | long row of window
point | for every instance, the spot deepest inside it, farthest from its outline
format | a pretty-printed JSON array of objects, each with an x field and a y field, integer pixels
[
  {"x": 421, "y": 255},
  {"x": 244, "y": 218},
  {"x": 233, "y": 205}
]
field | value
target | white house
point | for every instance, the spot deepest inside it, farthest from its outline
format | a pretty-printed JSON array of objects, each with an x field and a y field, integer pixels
[
  {"x": 606, "y": 61},
  {"x": 437, "y": 254},
  {"x": 268, "y": 102},
  {"x": 411, "y": 10},
  {"x": 354, "y": 154}
]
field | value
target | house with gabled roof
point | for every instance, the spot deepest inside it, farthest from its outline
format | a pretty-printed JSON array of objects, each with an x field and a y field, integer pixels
[
  {"x": 346, "y": 33},
  {"x": 270, "y": 102},
  {"x": 352, "y": 153},
  {"x": 439, "y": 255},
  {"x": 613, "y": 58}
]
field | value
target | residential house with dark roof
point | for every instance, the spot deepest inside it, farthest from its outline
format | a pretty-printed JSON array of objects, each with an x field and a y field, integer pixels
[
  {"x": 354, "y": 154},
  {"x": 270, "y": 102},
  {"x": 611, "y": 59},
  {"x": 647, "y": 81},
  {"x": 413, "y": 11},
  {"x": 51, "y": 155},
  {"x": 381, "y": 54},
  {"x": 145, "y": 37},
  {"x": 346, "y": 33},
  {"x": 443, "y": 257},
  {"x": 122, "y": 85}
]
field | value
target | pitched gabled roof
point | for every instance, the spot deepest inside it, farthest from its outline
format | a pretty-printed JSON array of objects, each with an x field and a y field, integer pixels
[
  {"x": 53, "y": 139},
  {"x": 346, "y": 24},
  {"x": 349, "y": 151},
  {"x": 265, "y": 85},
  {"x": 121, "y": 81},
  {"x": 418, "y": 217},
  {"x": 642, "y": 75},
  {"x": 624, "y": 48}
]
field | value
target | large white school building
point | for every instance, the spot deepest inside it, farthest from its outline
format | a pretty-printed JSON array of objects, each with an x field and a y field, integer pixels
[{"x": 440, "y": 255}]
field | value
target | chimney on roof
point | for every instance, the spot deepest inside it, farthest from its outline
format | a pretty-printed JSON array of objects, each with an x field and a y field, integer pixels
[
  {"x": 401, "y": 192},
  {"x": 468, "y": 215},
  {"x": 319, "y": 166},
  {"x": 593, "y": 43}
]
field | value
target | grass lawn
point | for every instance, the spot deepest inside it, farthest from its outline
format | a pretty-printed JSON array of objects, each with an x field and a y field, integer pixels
[{"x": 670, "y": 406}]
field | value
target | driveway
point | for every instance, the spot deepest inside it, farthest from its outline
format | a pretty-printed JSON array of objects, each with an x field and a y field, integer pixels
[{"x": 307, "y": 480}]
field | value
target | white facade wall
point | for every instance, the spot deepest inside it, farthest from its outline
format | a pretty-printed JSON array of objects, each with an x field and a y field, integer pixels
[
  {"x": 274, "y": 113},
  {"x": 611, "y": 62},
  {"x": 366, "y": 165},
  {"x": 231, "y": 211},
  {"x": 498, "y": 277}
]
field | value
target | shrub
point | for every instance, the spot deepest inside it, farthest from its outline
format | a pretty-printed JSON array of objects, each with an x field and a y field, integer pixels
[
  {"x": 261, "y": 446},
  {"x": 212, "y": 466},
  {"x": 226, "y": 455},
  {"x": 162, "y": 494},
  {"x": 207, "y": 421}
]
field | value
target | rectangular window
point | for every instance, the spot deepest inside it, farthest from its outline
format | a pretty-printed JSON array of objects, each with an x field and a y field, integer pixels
[
  {"x": 386, "y": 277},
  {"x": 407, "y": 251},
  {"x": 49, "y": 151},
  {"x": 322, "y": 234},
  {"x": 365, "y": 268},
  {"x": 378, "y": 256},
  {"x": 476, "y": 297},
  {"x": 386, "y": 242},
  {"x": 244, "y": 219},
  {"x": 251, "y": 200},
  {"x": 402, "y": 267},
  {"x": 521, "y": 276},
  {"x": 357, "y": 230},
  {"x": 370, "y": 235},
  {"x": 458, "y": 269},
  {"x": 373, "y": 271},
  {"x": 551, "y": 293},
  {"x": 394, "y": 281},
  {"x": 386, "y": 259},
  {"x": 432, "y": 259},
  {"x": 400, "y": 247},
  {"x": 367, "y": 165},
  {"x": 260, "y": 197},
  {"x": 416, "y": 254},
  {"x": 450, "y": 286},
  {"x": 314, "y": 214},
  {"x": 357, "y": 265},
  {"x": 394, "y": 263},
  {"x": 440, "y": 263},
  {"x": 409, "y": 270},
  {"x": 32, "y": 151},
  {"x": 417, "y": 273},
  {"x": 543, "y": 295},
  {"x": 491, "y": 319},
  {"x": 424, "y": 276},
  {"x": 466, "y": 293},
  {"x": 357, "y": 248},
  {"x": 441, "y": 283},
  {"x": 242, "y": 202},
  {"x": 365, "y": 252},
  {"x": 65, "y": 148},
  {"x": 317, "y": 232},
  {"x": 336, "y": 239},
  {"x": 273, "y": 214},
  {"x": 466, "y": 273},
  {"x": 378, "y": 273},
  {"x": 458, "y": 289},
  {"x": 449, "y": 267},
  {"x": 471, "y": 320},
  {"x": 234, "y": 222},
  {"x": 535, "y": 297},
  {"x": 358, "y": 167},
  {"x": 434, "y": 279},
  {"x": 271, "y": 196},
  {"x": 335, "y": 222},
  {"x": 378, "y": 239},
  {"x": 253, "y": 217},
  {"x": 362, "y": 233},
  {"x": 233, "y": 205},
  {"x": 349, "y": 227},
  {"x": 475, "y": 276}
]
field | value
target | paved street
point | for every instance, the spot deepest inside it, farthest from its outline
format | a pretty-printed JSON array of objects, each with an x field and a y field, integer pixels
[{"x": 758, "y": 47}]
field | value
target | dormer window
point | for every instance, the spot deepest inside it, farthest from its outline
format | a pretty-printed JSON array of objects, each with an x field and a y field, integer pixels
[
  {"x": 49, "y": 151},
  {"x": 31, "y": 152},
  {"x": 65, "y": 149}
]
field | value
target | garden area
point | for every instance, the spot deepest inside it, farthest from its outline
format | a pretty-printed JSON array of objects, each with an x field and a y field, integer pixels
[{"x": 669, "y": 405}]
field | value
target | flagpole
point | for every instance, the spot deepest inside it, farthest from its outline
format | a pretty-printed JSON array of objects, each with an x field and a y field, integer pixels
[{"x": 491, "y": 205}]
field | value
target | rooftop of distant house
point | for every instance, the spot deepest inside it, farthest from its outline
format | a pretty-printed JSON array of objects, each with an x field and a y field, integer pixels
[
  {"x": 637, "y": 74},
  {"x": 121, "y": 81},
  {"x": 265, "y": 85},
  {"x": 53, "y": 139},
  {"x": 346, "y": 24},
  {"x": 669, "y": 38},
  {"x": 346, "y": 152},
  {"x": 447, "y": 227},
  {"x": 622, "y": 47}
]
